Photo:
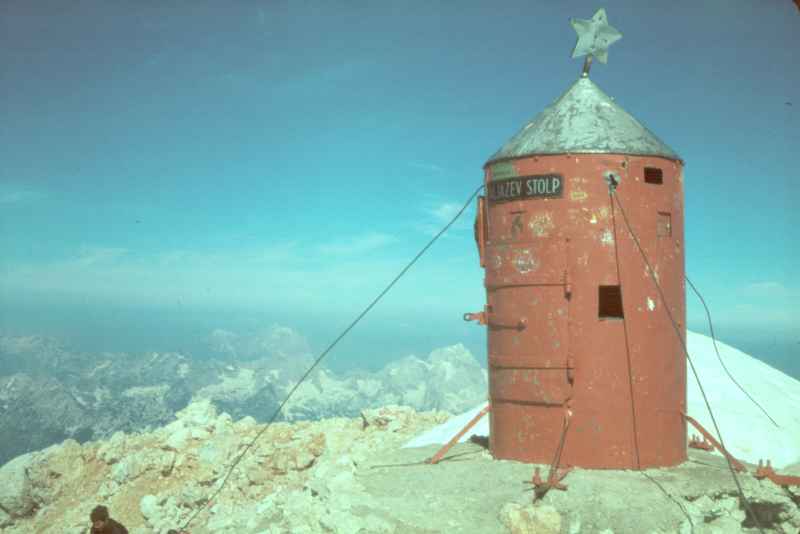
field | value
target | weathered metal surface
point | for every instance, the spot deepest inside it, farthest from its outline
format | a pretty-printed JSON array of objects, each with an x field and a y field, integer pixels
[
  {"x": 716, "y": 444},
  {"x": 595, "y": 35},
  {"x": 548, "y": 347},
  {"x": 766, "y": 471},
  {"x": 442, "y": 451},
  {"x": 583, "y": 120},
  {"x": 698, "y": 442},
  {"x": 553, "y": 481}
]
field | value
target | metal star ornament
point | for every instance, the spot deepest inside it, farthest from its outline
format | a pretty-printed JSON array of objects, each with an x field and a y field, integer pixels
[{"x": 594, "y": 37}]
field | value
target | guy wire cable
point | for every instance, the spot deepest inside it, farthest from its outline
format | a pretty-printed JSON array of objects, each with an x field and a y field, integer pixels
[
  {"x": 688, "y": 358},
  {"x": 625, "y": 331},
  {"x": 319, "y": 359},
  {"x": 714, "y": 340}
]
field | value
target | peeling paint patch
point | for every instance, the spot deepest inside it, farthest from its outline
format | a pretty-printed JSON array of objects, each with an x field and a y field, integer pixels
[
  {"x": 541, "y": 224},
  {"x": 578, "y": 195},
  {"x": 650, "y": 304},
  {"x": 607, "y": 238},
  {"x": 583, "y": 259},
  {"x": 524, "y": 261},
  {"x": 516, "y": 226},
  {"x": 647, "y": 273},
  {"x": 498, "y": 261}
]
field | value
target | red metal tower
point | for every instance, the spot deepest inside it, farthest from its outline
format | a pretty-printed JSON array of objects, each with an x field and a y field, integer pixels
[{"x": 583, "y": 363}]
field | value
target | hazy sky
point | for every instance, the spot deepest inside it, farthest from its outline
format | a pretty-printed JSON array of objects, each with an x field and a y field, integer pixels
[{"x": 173, "y": 167}]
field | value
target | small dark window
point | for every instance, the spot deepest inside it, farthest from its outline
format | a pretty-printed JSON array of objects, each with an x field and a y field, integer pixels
[
  {"x": 664, "y": 224},
  {"x": 610, "y": 300},
  {"x": 653, "y": 175}
]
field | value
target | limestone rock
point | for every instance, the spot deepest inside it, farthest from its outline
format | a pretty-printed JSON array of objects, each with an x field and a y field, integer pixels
[
  {"x": 53, "y": 469},
  {"x": 201, "y": 414},
  {"x": 15, "y": 488},
  {"x": 531, "y": 519},
  {"x": 112, "y": 450}
]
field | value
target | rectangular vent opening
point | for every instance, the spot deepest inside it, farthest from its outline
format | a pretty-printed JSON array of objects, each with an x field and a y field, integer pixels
[
  {"x": 610, "y": 302},
  {"x": 653, "y": 175}
]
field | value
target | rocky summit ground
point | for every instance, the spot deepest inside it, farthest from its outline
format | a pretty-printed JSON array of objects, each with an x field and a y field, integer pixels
[{"x": 350, "y": 475}]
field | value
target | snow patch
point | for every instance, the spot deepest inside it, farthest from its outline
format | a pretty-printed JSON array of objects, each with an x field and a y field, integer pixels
[{"x": 748, "y": 434}]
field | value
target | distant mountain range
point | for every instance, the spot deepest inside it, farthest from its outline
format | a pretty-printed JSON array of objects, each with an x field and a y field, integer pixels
[{"x": 49, "y": 394}]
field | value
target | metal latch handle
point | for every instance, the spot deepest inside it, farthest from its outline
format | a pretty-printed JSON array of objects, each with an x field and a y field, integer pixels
[{"x": 481, "y": 317}]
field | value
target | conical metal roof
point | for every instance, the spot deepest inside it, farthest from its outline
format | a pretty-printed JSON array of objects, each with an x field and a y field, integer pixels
[{"x": 584, "y": 120}]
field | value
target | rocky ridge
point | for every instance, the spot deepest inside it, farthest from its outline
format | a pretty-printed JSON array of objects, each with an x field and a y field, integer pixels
[
  {"x": 350, "y": 476},
  {"x": 296, "y": 478}
]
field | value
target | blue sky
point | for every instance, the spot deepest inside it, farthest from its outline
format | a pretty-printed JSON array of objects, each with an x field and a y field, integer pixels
[{"x": 170, "y": 168}]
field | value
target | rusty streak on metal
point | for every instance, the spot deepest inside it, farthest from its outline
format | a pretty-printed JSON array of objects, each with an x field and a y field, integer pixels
[
  {"x": 697, "y": 442},
  {"x": 553, "y": 481},
  {"x": 766, "y": 471},
  {"x": 717, "y": 445}
]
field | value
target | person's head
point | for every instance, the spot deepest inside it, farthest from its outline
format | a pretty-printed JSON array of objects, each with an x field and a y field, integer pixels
[{"x": 99, "y": 516}]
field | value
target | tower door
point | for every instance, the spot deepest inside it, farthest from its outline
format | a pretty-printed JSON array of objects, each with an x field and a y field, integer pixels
[{"x": 530, "y": 379}]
